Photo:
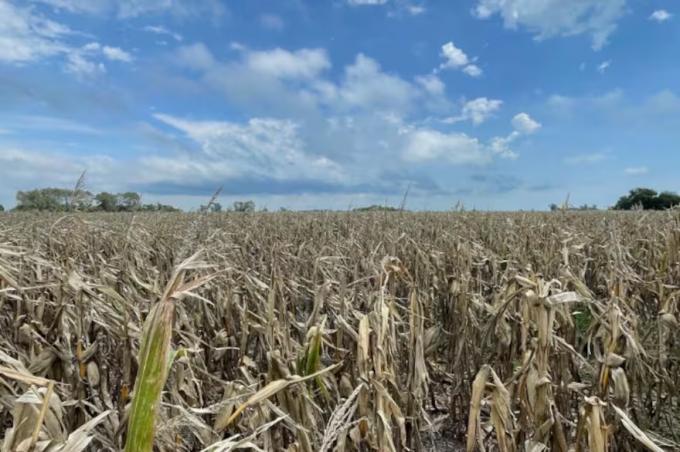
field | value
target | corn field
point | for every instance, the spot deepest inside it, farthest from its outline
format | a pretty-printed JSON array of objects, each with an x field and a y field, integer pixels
[{"x": 340, "y": 332}]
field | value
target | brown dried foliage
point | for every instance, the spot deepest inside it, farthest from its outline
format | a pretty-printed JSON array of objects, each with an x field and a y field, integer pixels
[{"x": 345, "y": 332}]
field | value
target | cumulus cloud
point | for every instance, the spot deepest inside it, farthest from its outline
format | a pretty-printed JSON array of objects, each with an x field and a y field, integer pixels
[
  {"x": 367, "y": 86},
  {"x": 456, "y": 148},
  {"x": 297, "y": 82},
  {"x": 280, "y": 63},
  {"x": 523, "y": 123},
  {"x": 431, "y": 83},
  {"x": 262, "y": 147},
  {"x": 455, "y": 58},
  {"x": 551, "y": 18},
  {"x": 660, "y": 15},
  {"x": 472, "y": 70},
  {"x": 477, "y": 110},
  {"x": 360, "y": 116},
  {"x": 116, "y": 54},
  {"x": 354, "y": 132}
]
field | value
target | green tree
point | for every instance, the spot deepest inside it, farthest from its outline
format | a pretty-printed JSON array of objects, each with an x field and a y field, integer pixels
[
  {"x": 2, "y": 208},
  {"x": 647, "y": 199},
  {"x": 668, "y": 199},
  {"x": 108, "y": 202},
  {"x": 52, "y": 199},
  {"x": 375, "y": 208},
  {"x": 244, "y": 206},
  {"x": 129, "y": 200}
]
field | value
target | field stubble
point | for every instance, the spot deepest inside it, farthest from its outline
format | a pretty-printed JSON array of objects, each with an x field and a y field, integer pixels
[{"x": 340, "y": 331}]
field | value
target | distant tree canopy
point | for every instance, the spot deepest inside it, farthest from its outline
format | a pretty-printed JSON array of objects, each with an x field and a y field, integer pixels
[
  {"x": 60, "y": 199},
  {"x": 244, "y": 206},
  {"x": 214, "y": 207},
  {"x": 375, "y": 208},
  {"x": 53, "y": 199},
  {"x": 554, "y": 207},
  {"x": 647, "y": 199},
  {"x": 117, "y": 202},
  {"x": 2, "y": 208}
]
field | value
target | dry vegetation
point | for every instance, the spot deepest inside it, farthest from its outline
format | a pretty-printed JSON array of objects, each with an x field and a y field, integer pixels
[{"x": 325, "y": 332}]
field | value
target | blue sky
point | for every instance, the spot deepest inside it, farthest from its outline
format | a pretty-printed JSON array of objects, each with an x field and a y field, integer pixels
[{"x": 499, "y": 104}]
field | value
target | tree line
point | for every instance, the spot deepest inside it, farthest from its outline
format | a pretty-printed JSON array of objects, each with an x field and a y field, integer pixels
[
  {"x": 647, "y": 199},
  {"x": 637, "y": 199},
  {"x": 62, "y": 200},
  {"x": 65, "y": 200}
]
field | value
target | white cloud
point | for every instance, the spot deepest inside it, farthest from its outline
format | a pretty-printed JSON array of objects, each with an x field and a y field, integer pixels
[
  {"x": 431, "y": 83},
  {"x": 261, "y": 147},
  {"x": 551, "y": 18},
  {"x": 500, "y": 146},
  {"x": 415, "y": 10},
  {"x": 477, "y": 110},
  {"x": 660, "y": 15},
  {"x": 367, "y": 86},
  {"x": 523, "y": 123},
  {"x": 362, "y": 118},
  {"x": 472, "y": 70},
  {"x": 602, "y": 67},
  {"x": 116, "y": 54},
  {"x": 79, "y": 65},
  {"x": 161, "y": 30},
  {"x": 272, "y": 22},
  {"x": 280, "y": 81},
  {"x": 26, "y": 36},
  {"x": 366, "y": 2},
  {"x": 82, "y": 61},
  {"x": 636, "y": 170},
  {"x": 280, "y": 63},
  {"x": 480, "y": 109},
  {"x": 455, "y": 58},
  {"x": 456, "y": 148}
]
